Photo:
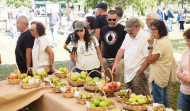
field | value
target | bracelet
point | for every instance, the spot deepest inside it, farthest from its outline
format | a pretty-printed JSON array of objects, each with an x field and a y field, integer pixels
[
  {"x": 150, "y": 47},
  {"x": 50, "y": 65}
]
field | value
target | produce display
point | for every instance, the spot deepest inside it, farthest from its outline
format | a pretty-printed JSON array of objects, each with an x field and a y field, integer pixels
[
  {"x": 77, "y": 79},
  {"x": 30, "y": 79},
  {"x": 68, "y": 91},
  {"x": 83, "y": 97},
  {"x": 92, "y": 81},
  {"x": 60, "y": 84},
  {"x": 63, "y": 70},
  {"x": 115, "y": 85},
  {"x": 15, "y": 78},
  {"x": 138, "y": 99}
]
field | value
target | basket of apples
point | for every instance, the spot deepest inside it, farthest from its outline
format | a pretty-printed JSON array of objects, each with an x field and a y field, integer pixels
[
  {"x": 110, "y": 88},
  {"x": 68, "y": 91},
  {"x": 41, "y": 72},
  {"x": 137, "y": 102},
  {"x": 16, "y": 77},
  {"x": 81, "y": 98},
  {"x": 31, "y": 82},
  {"x": 100, "y": 104},
  {"x": 90, "y": 84},
  {"x": 121, "y": 95},
  {"x": 75, "y": 79},
  {"x": 56, "y": 88},
  {"x": 62, "y": 72}
]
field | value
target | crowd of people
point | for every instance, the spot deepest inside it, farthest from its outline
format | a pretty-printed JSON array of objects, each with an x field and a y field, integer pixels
[{"x": 134, "y": 55}]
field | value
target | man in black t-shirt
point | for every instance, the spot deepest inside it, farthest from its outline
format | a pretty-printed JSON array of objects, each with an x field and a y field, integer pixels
[
  {"x": 101, "y": 21},
  {"x": 112, "y": 36},
  {"x": 23, "y": 51}
]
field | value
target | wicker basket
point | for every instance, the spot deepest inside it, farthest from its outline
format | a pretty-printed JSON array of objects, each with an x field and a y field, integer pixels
[
  {"x": 56, "y": 89},
  {"x": 91, "y": 88},
  {"x": 82, "y": 100},
  {"x": 31, "y": 85},
  {"x": 76, "y": 83},
  {"x": 47, "y": 83},
  {"x": 112, "y": 106},
  {"x": 121, "y": 98},
  {"x": 14, "y": 81},
  {"x": 137, "y": 107},
  {"x": 60, "y": 75},
  {"x": 68, "y": 94},
  {"x": 110, "y": 92}
]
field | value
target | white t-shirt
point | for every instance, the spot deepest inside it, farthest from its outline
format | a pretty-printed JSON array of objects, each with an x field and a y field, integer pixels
[
  {"x": 135, "y": 53},
  {"x": 87, "y": 58},
  {"x": 39, "y": 56}
]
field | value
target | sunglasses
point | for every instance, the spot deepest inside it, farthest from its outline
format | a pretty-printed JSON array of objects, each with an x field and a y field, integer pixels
[
  {"x": 32, "y": 30},
  {"x": 111, "y": 19},
  {"x": 79, "y": 30}
]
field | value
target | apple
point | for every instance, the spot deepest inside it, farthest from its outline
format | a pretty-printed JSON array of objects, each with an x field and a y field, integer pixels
[
  {"x": 16, "y": 71},
  {"x": 25, "y": 75},
  {"x": 96, "y": 79},
  {"x": 115, "y": 85},
  {"x": 132, "y": 95},
  {"x": 131, "y": 100},
  {"x": 102, "y": 98},
  {"x": 89, "y": 79},
  {"x": 102, "y": 104},
  {"x": 109, "y": 85},
  {"x": 96, "y": 102},
  {"x": 65, "y": 70},
  {"x": 15, "y": 77},
  {"x": 138, "y": 97},
  {"x": 43, "y": 73},
  {"x": 10, "y": 77},
  {"x": 21, "y": 76},
  {"x": 92, "y": 105},
  {"x": 83, "y": 75},
  {"x": 24, "y": 80},
  {"x": 141, "y": 101},
  {"x": 37, "y": 77},
  {"x": 95, "y": 97},
  {"x": 74, "y": 77},
  {"x": 108, "y": 102}
]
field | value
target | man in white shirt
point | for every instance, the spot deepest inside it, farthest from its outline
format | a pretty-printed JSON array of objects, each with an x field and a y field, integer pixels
[{"x": 134, "y": 49}]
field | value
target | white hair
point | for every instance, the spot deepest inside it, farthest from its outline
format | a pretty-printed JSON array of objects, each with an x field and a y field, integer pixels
[{"x": 154, "y": 16}]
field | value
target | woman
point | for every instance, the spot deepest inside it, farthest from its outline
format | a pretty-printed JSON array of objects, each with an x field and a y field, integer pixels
[
  {"x": 71, "y": 64},
  {"x": 42, "y": 54},
  {"x": 184, "y": 76},
  {"x": 90, "y": 24},
  {"x": 87, "y": 56},
  {"x": 161, "y": 59},
  {"x": 182, "y": 20}
]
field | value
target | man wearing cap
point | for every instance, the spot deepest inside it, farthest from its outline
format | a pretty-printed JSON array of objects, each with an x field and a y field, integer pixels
[
  {"x": 112, "y": 36},
  {"x": 101, "y": 21},
  {"x": 134, "y": 49}
]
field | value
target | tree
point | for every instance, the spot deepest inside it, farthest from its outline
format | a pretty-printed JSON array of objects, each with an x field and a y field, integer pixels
[{"x": 19, "y": 3}]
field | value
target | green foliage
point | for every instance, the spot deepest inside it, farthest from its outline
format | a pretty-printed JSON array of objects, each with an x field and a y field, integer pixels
[{"x": 19, "y": 3}]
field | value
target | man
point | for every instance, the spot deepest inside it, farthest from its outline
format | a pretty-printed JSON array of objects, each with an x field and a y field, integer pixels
[
  {"x": 170, "y": 18},
  {"x": 101, "y": 21},
  {"x": 112, "y": 36},
  {"x": 119, "y": 13},
  {"x": 160, "y": 13},
  {"x": 134, "y": 49},
  {"x": 151, "y": 17},
  {"x": 54, "y": 21},
  {"x": 23, "y": 51}
]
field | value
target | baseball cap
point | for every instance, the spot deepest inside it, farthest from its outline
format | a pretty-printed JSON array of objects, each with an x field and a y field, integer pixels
[
  {"x": 132, "y": 23},
  {"x": 79, "y": 25},
  {"x": 102, "y": 5}
]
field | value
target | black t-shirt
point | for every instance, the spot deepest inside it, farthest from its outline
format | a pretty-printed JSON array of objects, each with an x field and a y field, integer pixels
[
  {"x": 113, "y": 39},
  {"x": 69, "y": 38},
  {"x": 25, "y": 40},
  {"x": 101, "y": 21}
]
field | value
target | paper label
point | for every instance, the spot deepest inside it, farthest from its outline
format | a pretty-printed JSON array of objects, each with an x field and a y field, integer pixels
[
  {"x": 46, "y": 79},
  {"x": 40, "y": 70},
  {"x": 76, "y": 94},
  {"x": 37, "y": 80},
  {"x": 97, "y": 83},
  {"x": 88, "y": 104},
  {"x": 63, "y": 89},
  {"x": 58, "y": 71},
  {"x": 31, "y": 81},
  {"x": 78, "y": 74}
]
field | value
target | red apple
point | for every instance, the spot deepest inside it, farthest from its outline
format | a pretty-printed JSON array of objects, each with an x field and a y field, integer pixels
[
  {"x": 110, "y": 85},
  {"x": 10, "y": 77},
  {"x": 15, "y": 77},
  {"x": 115, "y": 85}
]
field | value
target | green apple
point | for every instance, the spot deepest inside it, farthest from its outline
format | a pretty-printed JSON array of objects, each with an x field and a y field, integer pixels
[
  {"x": 43, "y": 73},
  {"x": 96, "y": 79},
  {"x": 36, "y": 72},
  {"x": 89, "y": 79},
  {"x": 24, "y": 80},
  {"x": 21, "y": 76},
  {"x": 74, "y": 77},
  {"x": 65, "y": 70},
  {"x": 108, "y": 102},
  {"x": 37, "y": 77},
  {"x": 102, "y": 104},
  {"x": 96, "y": 102},
  {"x": 132, "y": 95},
  {"x": 138, "y": 97},
  {"x": 95, "y": 97},
  {"x": 141, "y": 101},
  {"x": 102, "y": 98},
  {"x": 83, "y": 74},
  {"x": 131, "y": 100},
  {"x": 92, "y": 105}
]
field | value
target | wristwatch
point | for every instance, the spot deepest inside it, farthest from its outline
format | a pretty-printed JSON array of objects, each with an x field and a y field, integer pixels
[
  {"x": 150, "y": 47},
  {"x": 50, "y": 65}
]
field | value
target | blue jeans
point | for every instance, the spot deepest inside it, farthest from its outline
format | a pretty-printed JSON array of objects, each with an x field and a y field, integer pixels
[
  {"x": 54, "y": 29},
  {"x": 71, "y": 65},
  {"x": 160, "y": 95},
  {"x": 170, "y": 23},
  {"x": 183, "y": 102}
]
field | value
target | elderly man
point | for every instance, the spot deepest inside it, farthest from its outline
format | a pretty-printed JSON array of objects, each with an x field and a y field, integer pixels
[
  {"x": 23, "y": 51},
  {"x": 151, "y": 17},
  {"x": 135, "y": 52}
]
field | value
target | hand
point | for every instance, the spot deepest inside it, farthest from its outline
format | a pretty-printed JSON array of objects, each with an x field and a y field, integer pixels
[
  {"x": 185, "y": 78},
  {"x": 103, "y": 70},
  {"x": 150, "y": 40},
  {"x": 140, "y": 72},
  {"x": 52, "y": 70},
  {"x": 114, "y": 69},
  {"x": 30, "y": 71}
]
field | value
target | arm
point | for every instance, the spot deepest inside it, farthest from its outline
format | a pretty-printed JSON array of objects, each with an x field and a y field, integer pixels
[
  {"x": 100, "y": 58},
  {"x": 97, "y": 34},
  {"x": 117, "y": 59},
  {"x": 28, "y": 57},
  {"x": 66, "y": 48},
  {"x": 102, "y": 48},
  {"x": 144, "y": 66},
  {"x": 51, "y": 57},
  {"x": 73, "y": 57}
]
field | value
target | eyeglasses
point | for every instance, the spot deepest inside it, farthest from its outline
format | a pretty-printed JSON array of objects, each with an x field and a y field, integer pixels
[
  {"x": 79, "y": 30},
  {"x": 153, "y": 30},
  {"x": 32, "y": 30},
  {"x": 111, "y": 19}
]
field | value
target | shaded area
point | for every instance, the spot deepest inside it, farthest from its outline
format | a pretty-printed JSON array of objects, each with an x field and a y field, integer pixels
[
  {"x": 6, "y": 69},
  {"x": 179, "y": 45}
]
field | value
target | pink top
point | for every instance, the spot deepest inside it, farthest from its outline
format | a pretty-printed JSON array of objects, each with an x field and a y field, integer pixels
[{"x": 184, "y": 68}]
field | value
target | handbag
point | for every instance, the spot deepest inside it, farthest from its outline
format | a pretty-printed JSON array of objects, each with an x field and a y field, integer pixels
[
  {"x": 45, "y": 67},
  {"x": 173, "y": 80}
]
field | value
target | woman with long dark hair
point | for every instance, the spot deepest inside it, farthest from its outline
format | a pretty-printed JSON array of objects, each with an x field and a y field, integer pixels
[{"x": 87, "y": 52}]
